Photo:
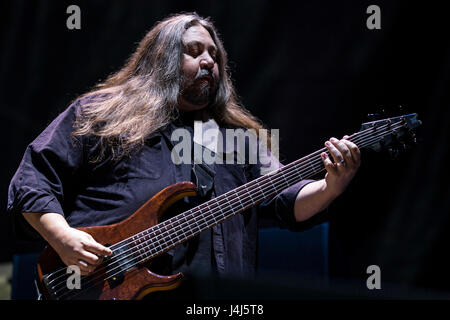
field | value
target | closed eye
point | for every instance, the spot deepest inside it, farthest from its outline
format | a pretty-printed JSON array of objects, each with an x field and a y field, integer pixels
[{"x": 196, "y": 48}]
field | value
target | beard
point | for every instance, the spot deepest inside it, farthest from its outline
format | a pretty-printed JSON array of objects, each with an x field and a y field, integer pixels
[{"x": 198, "y": 91}]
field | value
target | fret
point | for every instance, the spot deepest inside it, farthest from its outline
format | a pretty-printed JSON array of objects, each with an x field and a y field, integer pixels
[
  {"x": 157, "y": 231},
  {"x": 149, "y": 247},
  {"x": 161, "y": 242},
  {"x": 202, "y": 214},
  {"x": 181, "y": 225},
  {"x": 163, "y": 227},
  {"x": 175, "y": 236},
  {"x": 155, "y": 238},
  {"x": 181, "y": 233},
  {"x": 182, "y": 228},
  {"x": 154, "y": 243},
  {"x": 298, "y": 172},
  {"x": 312, "y": 166},
  {"x": 271, "y": 183},
  {"x": 211, "y": 212},
  {"x": 221, "y": 211},
  {"x": 251, "y": 198},
  {"x": 178, "y": 235},
  {"x": 259, "y": 186},
  {"x": 231, "y": 207},
  {"x": 158, "y": 245},
  {"x": 156, "y": 235},
  {"x": 184, "y": 233},
  {"x": 239, "y": 198},
  {"x": 184, "y": 218},
  {"x": 284, "y": 178},
  {"x": 196, "y": 223},
  {"x": 170, "y": 237}
]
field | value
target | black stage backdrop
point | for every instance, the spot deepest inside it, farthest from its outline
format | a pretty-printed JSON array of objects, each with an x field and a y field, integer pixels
[{"x": 310, "y": 68}]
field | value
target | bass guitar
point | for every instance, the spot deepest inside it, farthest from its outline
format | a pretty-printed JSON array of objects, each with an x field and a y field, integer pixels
[{"x": 126, "y": 274}]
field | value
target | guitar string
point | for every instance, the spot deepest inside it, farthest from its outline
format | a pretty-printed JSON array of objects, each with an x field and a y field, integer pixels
[
  {"x": 187, "y": 221},
  {"x": 207, "y": 222},
  {"x": 129, "y": 238},
  {"x": 135, "y": 263},
  {"x": 203, "y": 226},
  {"x": 125, "y": 241},
  {"x": 197, "y": 233},
  {"x": 158, "y": 240}
]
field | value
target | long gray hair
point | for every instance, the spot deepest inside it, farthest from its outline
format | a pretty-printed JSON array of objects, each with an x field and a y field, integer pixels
[{"x": 142, "y": 97}]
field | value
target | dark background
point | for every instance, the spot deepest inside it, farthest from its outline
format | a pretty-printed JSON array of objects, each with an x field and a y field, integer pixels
[{"x": 310, "y": 68}]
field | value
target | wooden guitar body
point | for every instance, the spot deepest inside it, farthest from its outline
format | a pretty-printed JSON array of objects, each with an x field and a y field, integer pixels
[{"x": 131, "y": 284}]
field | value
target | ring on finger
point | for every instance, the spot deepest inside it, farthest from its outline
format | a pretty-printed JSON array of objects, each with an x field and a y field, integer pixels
[{"x": 83, "y": 263}]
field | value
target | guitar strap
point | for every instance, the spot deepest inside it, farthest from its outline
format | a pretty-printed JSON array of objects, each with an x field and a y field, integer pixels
[{"x": 203, "y": 173}]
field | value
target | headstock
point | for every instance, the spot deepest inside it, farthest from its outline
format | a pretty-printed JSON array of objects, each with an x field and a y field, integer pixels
[{"x": 389, "y": 132}]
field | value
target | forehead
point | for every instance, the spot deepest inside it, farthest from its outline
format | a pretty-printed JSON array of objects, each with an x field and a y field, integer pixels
[{"x": 197, "y": 34}]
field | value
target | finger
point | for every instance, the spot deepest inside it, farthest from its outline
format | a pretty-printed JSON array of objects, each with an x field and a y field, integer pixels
[
  {"x": 356, "y": 153},
  {"x": 84, "y": 267},
  {"x": 90, "y": 258},
  {"x": 344, "y": 150},
  {"x": 329, "y": 166},
  {"x": 337, "y": 156},
  {"x": 97, "y": 248}
]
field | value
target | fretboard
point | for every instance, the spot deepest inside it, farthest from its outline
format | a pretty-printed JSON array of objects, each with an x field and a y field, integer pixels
[{"x": 180, "y": 228}]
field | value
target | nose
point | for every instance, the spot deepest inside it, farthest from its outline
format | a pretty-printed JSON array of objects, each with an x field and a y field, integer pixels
[{"x": 206, "y": 62}]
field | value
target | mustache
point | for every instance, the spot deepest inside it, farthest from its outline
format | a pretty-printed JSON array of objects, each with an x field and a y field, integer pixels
[{"x": 205, "y": 73}]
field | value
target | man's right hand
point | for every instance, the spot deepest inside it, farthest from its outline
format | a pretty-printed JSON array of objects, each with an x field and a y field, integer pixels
[{"x": 74, "y": 247}]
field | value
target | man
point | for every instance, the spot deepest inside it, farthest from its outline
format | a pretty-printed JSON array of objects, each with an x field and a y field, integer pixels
[{"x": 109, "y": 152}]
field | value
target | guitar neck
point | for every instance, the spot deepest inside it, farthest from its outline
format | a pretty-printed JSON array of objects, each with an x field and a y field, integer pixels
[{"x": 178, "y": 229}]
